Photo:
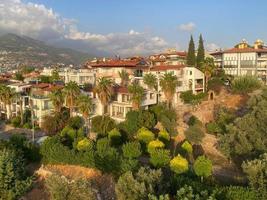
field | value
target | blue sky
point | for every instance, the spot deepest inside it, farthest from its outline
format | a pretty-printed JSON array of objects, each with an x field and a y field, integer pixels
[{"x": 222, "y": 23}]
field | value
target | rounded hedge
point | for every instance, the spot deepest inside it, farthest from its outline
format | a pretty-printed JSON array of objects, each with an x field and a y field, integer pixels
[
  {"x": 85, "y": 145},
  {"x": 155, "y": 144},
  {"x": 114, "y": 136},
  {"x": 164, "y": 136},
  {"x": 179, "y": 165},
  {"x": 203, "y": 166},
  {"x": 187, "y": 147},
  {"x": 145, "y": 136}
]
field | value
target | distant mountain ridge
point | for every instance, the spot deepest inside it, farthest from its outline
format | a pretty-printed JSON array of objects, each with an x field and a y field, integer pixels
[{"x": 23, "y": 50}]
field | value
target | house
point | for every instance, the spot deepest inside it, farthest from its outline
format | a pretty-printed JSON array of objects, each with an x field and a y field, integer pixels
[
  {"x": 171, "y": 57},
  {"x": 244, "y": 59}
]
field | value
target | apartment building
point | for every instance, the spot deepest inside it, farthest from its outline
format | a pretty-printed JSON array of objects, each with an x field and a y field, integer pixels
[
  {"x": 170, "y": 57},
  {"x": 80, "y": 76},
  {"x": 40, "y": 102},
  {"x": 244, "y": 59}
]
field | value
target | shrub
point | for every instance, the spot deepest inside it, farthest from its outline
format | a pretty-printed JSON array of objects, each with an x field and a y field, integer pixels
[
  {"x": 129, "y": 164},
  {"x": 194, "y": 134},
  {"x": 27, "y": 126},
  {"x": 155, "y": 144},
  {"x": 144, "y": 135},
  {"x": 16, "y": 121},
  {"x": 107, "y": 157},
  {"x": 131, "y": 150},
  {"x": 102, "y": 125},
  {"x": 192, "y": 120},
  {"x": 76, "y": 122},
  {"x": 85, "y": 145},
  {"x": 245, "y": 84},
  {"x": 215, "y": 84},
  {"x": 203, "y": 166},
  {"x": 60, "y": 188},
  {"x": 189, "y": 98},
  {"x": 115, "y": 137},
  {"x": 179, "y": 165},
  {"x": 164, "y": 136},
  {"x": 240, "y": 193},
  {"x": 187, "y": 147},
  {"x": 13, "y": 180},
  {"x": 160, "y": 157},
  {"x": 213, "y": 128}
]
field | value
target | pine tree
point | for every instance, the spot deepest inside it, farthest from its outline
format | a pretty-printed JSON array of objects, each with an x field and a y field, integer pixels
[
  {"x": 200, "y": 52},
  {"x": 191, "y": 57}
]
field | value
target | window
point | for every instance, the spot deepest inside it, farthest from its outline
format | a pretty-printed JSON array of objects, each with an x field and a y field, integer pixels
[
  {"x": 151, "y": 95},
  {"x": 125, "y": 98},
  {"x": 190, "y": 72}
]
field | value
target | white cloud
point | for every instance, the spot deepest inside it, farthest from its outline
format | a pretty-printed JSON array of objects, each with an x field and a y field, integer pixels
[
  {"x": 187, "y": 27},
  {"x": 212, "y": 47},
  {"x": 37, "y": 21}
]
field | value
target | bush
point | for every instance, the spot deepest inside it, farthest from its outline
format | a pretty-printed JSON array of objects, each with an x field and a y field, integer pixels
[
  {"x": 107, "y": 157},
  {"x": 213, "y": 128},
  {"x": 215, "y": 84},
  {"x": 245, "y": 84},
  {"x": 179, "y": 165},
  {"x": 155, "y": 144},
  {"x": 131, "y": 150},
  {"x": 194, "y": 134},
  {"x": 203, "y": 167},
  {"x": 27, "y": 126},
  {"x": 164, "y": 136},
  {"x": 189, "y": 98},
  {"x": 76, "y": 122},
  {"x": 13, "y": 180},
  {"x": 16, "y": 121},
  {"x": 85, "y": 145},
  {"x": 160, "y": 157},
  {"x": 144, "y": 135},
  {"x": 240, "y": 193},
  {"x": 60, "y": 188},
  {"x": 187, "y": 147},
  {"x": 102, "y": 125},
  {"x": 115, "y": 137}
]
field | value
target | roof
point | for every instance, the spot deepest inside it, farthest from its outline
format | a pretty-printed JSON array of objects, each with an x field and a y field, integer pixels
[
  {"x": 41, "y": 85},
  {"x": 241, "y": 50},
  {"x": 51, "y": 88},
  {"x": 166, "y": 67},
  {"x": 133, "y": 63},
  {"x": 120, "y": 89}
]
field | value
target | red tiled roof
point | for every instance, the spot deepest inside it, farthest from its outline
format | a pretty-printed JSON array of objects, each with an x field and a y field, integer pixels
[
  {"x": 51, "y": 88},
  {"x": 118, "y": 63},
  {"x": 41, "y": 85},
  {"x": 166, "y": 67},
  {"x": 120, "y": 89}
]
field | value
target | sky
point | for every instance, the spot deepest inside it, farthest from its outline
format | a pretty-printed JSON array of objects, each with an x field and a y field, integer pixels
[{"x": 128, "y": 27}]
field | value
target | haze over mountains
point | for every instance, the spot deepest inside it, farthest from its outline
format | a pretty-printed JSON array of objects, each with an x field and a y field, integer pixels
[{"x": 22, "y": 50}]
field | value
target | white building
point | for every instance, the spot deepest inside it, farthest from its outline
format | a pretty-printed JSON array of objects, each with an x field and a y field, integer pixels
[
  {"x": 80, "y": 76},
  {"x": 244, "y": 59}
]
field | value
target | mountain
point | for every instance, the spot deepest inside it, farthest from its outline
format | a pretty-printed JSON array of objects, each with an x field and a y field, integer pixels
[{"x": 22, "y": 50}]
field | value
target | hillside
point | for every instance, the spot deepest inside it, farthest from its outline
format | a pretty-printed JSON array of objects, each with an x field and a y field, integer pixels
[{"x": 21, "y": 50}]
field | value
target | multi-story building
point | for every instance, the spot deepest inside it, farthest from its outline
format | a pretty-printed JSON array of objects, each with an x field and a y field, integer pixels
[
  {"x": 80, "y": 76},
  {"x": 244, "y": 59},
  {"x": 171, "y": 57}
]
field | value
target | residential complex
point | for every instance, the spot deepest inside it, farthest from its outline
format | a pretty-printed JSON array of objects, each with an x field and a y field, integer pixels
[{"x": 244, "y": 59}]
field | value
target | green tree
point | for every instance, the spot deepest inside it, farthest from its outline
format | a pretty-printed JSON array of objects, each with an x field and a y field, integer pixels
[
  {"x": 132, "y": 150},
  {"x": 55, "y": 75},
  {"x": 85, "y": 106},
  {"x": 19, "y": 76},
  {"x": 160, "y": 157},
  {"x": 155, "y": 144},
  {"x": 57, "y": 98},
  {"x": 124, "y": 75},
  {"x": 71, "y": 93},
  {"x": 102, "y": 125},
  {"x": 245, "y": 84},
  {"x": 137, "y": 94},
  {"x": 195, "y": 134},
  {"x": 168, "y": 83},
  {"x": 203, "y": 167},
  {"x": 179, "y": 165},
  {"x": 144, "y": 135},
  {"x": 200, "y": 52},
  {"x": 7, "y": 96},
  {"x": 191, "y": 56},
  {"x": 104, "y": 89},
  {"x": 151, "y": 81},
  {"x": 257, "y": 174}
]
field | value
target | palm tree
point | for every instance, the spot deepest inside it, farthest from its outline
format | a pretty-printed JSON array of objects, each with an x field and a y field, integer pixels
[
  {"x": 71, "y": 93},
  {"x": 137, "y": 93},
  {"x": 85, "y": 106},
  {"x": 124, "y": 75},
  {"x": 104, "y": 90},
  {"x": 57, "y": 98},
  {"x": 7, "y": 95},
  {"x": 208, "y": 68},
  {"x": 151, "y": 81},
  {"x": 168, "y": 83}
]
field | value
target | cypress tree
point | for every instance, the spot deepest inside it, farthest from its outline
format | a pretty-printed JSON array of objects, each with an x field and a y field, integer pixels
[
  {"x": 200, "y": 52},
  {"x": 191, "y": 57}
]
